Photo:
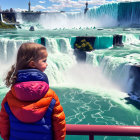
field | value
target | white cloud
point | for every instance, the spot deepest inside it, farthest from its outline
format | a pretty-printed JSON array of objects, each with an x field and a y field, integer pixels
[
  {"x": 57, "y": 1},
  {"x": 52, "y": 10},
  {"x": 55, "y": 7},
  {"x": 75, "y": 10},
  {"x": 20, "y": 10},
  {"x": 37, "y": 7},
  {"x": 97, "y": 2},
  {"x": 42, "y": 1},
  {"x": 61, "y": 4}
]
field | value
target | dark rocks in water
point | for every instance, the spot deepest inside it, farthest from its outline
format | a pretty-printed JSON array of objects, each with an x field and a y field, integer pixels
[
  {"x": 126, "y": 29},
  {"x": 43, "y": 41},
  {"x": 31, "y": 28},
  {"x": 135, "y": 74},
  {"x": 100, "y": 29},
  {"x": 80, "y": 55},
  {"x": 117, "y": 40},
  {"x": 84, "y": 43},
  {"x": 19, "y": 26}
]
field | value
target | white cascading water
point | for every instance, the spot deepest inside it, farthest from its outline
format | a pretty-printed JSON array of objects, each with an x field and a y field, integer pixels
[
  {"x": 63, "y": 67},
  {"x": 8, "y": 52},
  {"x": 68, "y": 21},
  {"x": 116, "y": 70},
  {"x": 8, "y": 49},
  {"x": 108, "y": 15},
  {"x": 63, "y": 20},
  {"x": 75, "y": 20},
  {"x": 60, "y": 59},
  {"x": 19, "y": 18}
]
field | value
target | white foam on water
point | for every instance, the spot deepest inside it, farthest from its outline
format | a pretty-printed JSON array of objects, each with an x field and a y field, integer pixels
[{"x": 89, "y": 78}]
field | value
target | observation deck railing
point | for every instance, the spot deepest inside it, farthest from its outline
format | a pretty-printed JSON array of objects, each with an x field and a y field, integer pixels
[{"x": 106, "y": 130}]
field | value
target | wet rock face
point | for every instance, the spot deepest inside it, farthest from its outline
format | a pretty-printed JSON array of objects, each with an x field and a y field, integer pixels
[
  {"x": 80, "y": 55},
  {"x": 43, "y": 41},
  {"x": 31, "y": 28},
  {"x": 117, "y": 40},
  {"x": 135, "y": 74}
]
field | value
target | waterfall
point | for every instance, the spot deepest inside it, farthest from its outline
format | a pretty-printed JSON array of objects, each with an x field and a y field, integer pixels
[
  {"x": 3, "y": 50},
  {"x": 103, "y": 42},
  {"x": 116, "y": 70},
  {"x": 8, "y": 52},
  {"x": 60, "y": 59},
  {"x": 107, "y": 9},
  {"x": 131, "y": 39},
  {"x": 64, "y": 45},
  {"x": 108, "y": 15},
  {"x": 118, "y": 73},
  {"x": 105, "y": 15},
  {"x": 1, "y": 18},
  {"x": 19, "y": 18},
  {"x": 52, "y": 45},
  {"x": 129, "y": 16},
  {"x": 8, "y": 49},
  {"x": 116, "y": 14},
  {"x": 110, "y": 67},
  {"x": 65, "y": 20}
]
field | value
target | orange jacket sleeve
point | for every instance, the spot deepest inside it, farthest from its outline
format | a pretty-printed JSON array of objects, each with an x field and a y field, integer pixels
[
  {"x": 4, "y": 122},
  {"x": 59, "y": 123}
]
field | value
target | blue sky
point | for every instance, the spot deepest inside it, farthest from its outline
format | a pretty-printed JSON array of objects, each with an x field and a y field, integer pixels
[{"x": 53, "y": 5}]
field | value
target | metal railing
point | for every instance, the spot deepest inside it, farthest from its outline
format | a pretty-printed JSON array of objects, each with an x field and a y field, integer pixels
[{"x": 106, "y": 130}]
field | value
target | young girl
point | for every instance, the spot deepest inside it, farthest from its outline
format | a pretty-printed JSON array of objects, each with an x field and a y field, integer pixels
[{"x": 31, "y": 110}]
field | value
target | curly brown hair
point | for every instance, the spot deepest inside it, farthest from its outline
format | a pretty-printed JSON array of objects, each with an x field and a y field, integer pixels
[{"x": 27, "y": 52}]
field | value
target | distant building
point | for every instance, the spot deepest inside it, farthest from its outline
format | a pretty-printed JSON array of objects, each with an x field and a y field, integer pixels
[
  {"x": 86, "y": 9},
  {"x": 29, "y": 8}
]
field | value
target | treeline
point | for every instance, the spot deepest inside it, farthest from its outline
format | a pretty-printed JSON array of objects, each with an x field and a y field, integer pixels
[{"x": 11, "y": 10}]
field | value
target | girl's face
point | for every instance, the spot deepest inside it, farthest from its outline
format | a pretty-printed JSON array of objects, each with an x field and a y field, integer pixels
[{"x": 41, "y": 64}]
